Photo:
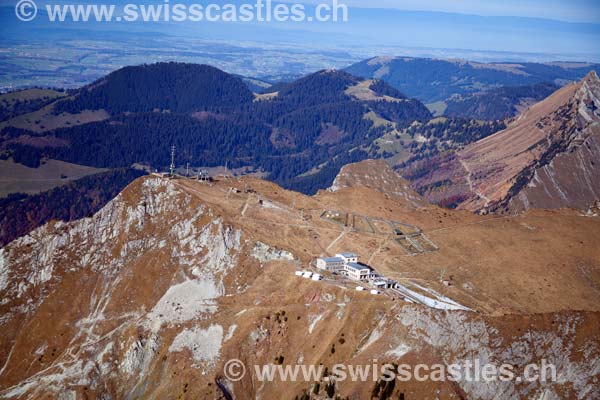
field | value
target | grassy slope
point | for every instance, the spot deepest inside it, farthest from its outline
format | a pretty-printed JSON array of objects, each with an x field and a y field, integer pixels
[{"x": 19, "y": 178}]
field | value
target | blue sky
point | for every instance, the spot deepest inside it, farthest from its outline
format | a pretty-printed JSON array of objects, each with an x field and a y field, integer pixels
[{"x": 563, "y": 10}]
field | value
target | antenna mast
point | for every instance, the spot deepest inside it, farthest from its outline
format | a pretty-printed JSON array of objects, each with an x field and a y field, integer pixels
[{"x": 172, "y": 168}]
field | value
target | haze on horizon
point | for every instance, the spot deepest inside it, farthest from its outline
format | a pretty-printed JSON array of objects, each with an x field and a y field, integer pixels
[
  {"x": 509, "y": 30},
  {"x": 586, "y": 11}
]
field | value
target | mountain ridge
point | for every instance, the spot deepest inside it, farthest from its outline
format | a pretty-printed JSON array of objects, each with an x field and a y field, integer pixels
[
  {"x": 174, "y": 277},
  {"x": 493, "y": 173},
  {"x": 312, "y": 122},
  {"x": 578, "y": 122},
  {"x": 431, "y": 79}
]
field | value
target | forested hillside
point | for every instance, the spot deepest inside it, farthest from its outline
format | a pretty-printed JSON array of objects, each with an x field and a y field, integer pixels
[
  {"x": 20, "y": 213},
  {"x": 174, "y": 87},
  {"x": 420, "y": 149},
  {"x": 25, "y": 101},
  {"x": 299, "y": 137},
  {"x": 496, "y": 104}
]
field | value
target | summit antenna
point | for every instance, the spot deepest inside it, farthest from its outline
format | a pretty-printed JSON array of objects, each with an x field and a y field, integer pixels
[{"x": 172, "y": 167}]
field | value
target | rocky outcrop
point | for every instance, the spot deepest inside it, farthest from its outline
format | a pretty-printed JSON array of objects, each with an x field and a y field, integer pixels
[
  {"x": 567, "y": 174},
  {"x": 463, "y": 339},
  {"x": 151, "y": 261},
  {"x": 378, "y": 175}
]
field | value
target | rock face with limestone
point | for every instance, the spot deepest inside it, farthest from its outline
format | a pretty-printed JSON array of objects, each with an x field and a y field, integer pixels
[
  {"x": 125, "y": 281},
  {"x": 151, "y": 296}
]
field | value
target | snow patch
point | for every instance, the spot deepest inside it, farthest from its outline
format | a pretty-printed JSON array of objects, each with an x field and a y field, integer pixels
[
  {"x": 259, "y": 334},
  {"x": 77, "y": 373},
  {"x": 139, "y": 355},
  {"x": 3, "y": 271},
  {"x": 41, "y": 349},
  {"x": 375, "y": 335},
  {"x": 441, "y": 302}
]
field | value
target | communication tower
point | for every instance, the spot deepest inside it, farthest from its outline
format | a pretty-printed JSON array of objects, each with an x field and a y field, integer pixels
[{"x": 172, "y": 167}]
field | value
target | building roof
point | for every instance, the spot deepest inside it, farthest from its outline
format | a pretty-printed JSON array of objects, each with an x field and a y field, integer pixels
[
  {"x": 348, "y": 255},
  {"x": 357, "y": 267},
  {"x": 332, "y": 259}
]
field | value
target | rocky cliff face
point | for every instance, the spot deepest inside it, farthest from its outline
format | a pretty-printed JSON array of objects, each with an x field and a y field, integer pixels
[
  {"x": 154, "y": 293},
  {"x": 567, "y": 174},
  {"x": 93, "y": 303},
  {"x": 548, "y": 157}
]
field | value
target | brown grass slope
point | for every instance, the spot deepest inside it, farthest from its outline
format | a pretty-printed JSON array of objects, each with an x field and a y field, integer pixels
[{"x": 154, "y": 293}]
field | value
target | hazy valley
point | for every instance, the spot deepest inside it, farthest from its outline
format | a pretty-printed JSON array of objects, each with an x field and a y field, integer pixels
[{"x": 473, "y": 187}]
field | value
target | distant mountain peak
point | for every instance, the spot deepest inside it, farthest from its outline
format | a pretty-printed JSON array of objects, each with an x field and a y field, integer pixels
[
  {"x": 434, "y": 80},
  {"x": 330, "y": 71}
]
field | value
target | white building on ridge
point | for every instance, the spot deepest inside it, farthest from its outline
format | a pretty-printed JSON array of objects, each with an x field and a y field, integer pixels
[
  {"x": 332, "y": 264},
  {"x": 346, "y": 264},
  {"x": 358, "y": 272},
  {"x": 348, "y": 257}
]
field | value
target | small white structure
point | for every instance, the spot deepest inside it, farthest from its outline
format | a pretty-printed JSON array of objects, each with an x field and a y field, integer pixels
[
  {"x": 203, "y": 176},
  {"x": 307, "y": 274},
  {"x": 298, "y": 273},
  {"x": 373, "y": 291},
  {"x": 382, "y": 283},
  {"x": 330, "y": 263},
  {"x": 316, "y": 277},
  {"x": 360, "y": 288},
  {"x": 348, "y": 257}
]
